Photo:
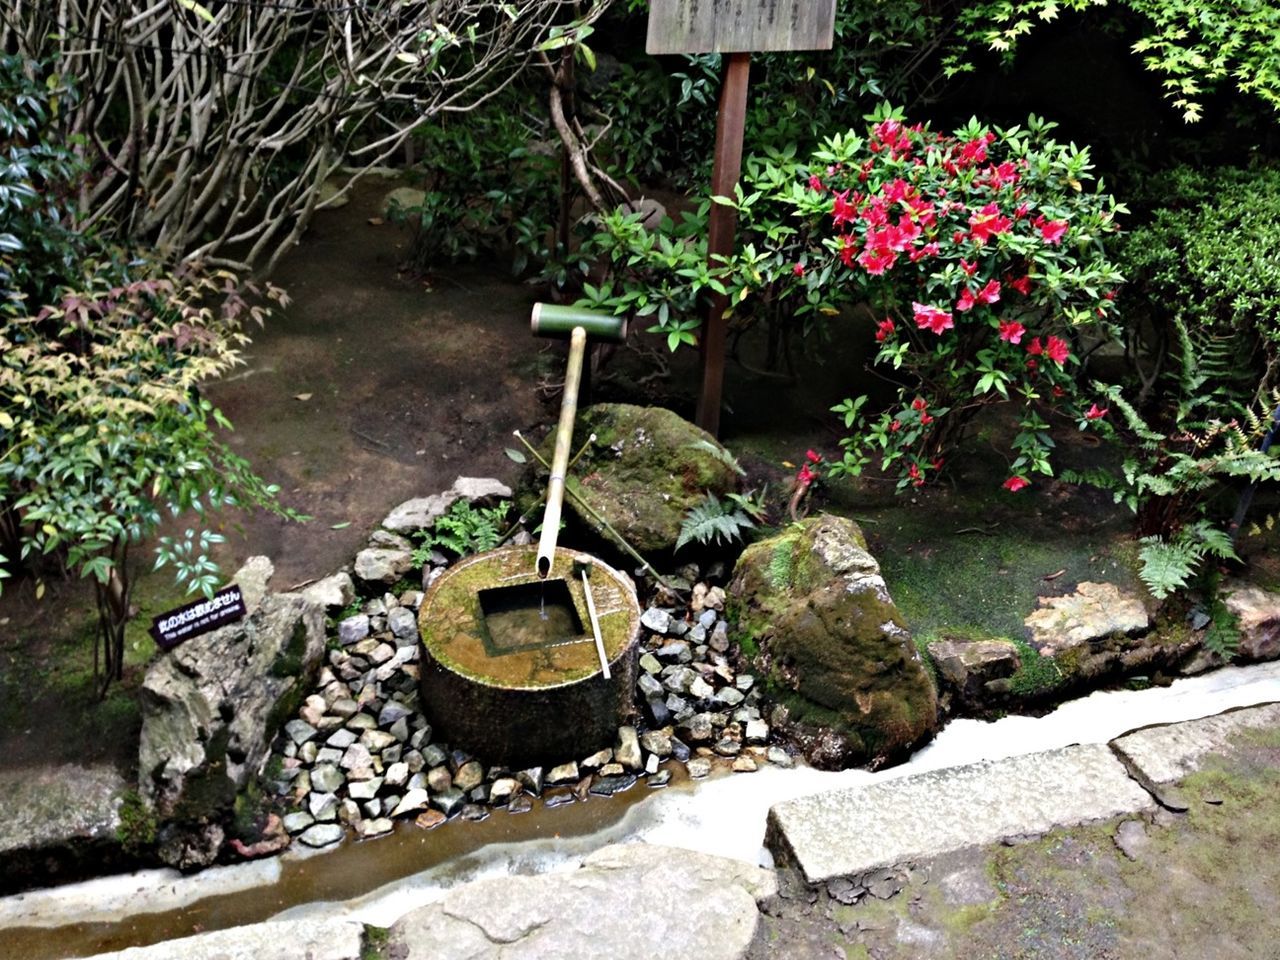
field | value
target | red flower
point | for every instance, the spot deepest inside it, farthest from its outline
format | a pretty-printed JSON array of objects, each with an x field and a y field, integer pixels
[
  {"x": 806, "y": 476},
  {"x": 876, "y": 260},
  {"x": 1057, "y": 350},
  {"x": 847, "y": 247},
  {"x": 842, "y": 211},
  {"x": 919, "y": 253},
  {"x": 898, "y": 190},
  {"x": 919, "y": 403},
  {"x": 1011, "y": 331},
  {"x": 975, "y": 151},
  {"x": 883, "y": 329},
  {"x": 969, "y": 268},
  {"x": 988, "y": 222},
  {"x": 1022, "y": 285},
  {"x": 798, "y": 269},
  {"x": 813, "y": 456},
  {"x": 1016, "y": 483},
  {"x": 895, "y": 426},
  {"x": 966, "y": 301},
  {"x": 937, "y": 463},
  {"x": 958, "y": 237},
  {"x": 1095, "y": 412},
  {"x": 932, "y": 318},
  {"x": 990, "y": 293},
  {"x": 1035, "y": 348},
  {"x": 888, "y": 131},
  {"x": 815, "y": 183},
  {"x": 914, "y": 473},
  {"x": 1053, "y": 231},
  {"x": 1022, "y": 211}
]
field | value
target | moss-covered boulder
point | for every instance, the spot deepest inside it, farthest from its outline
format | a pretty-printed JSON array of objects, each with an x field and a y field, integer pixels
[
  {"x": 644, "y": 471},
  {"x": 815, "y": 615}
]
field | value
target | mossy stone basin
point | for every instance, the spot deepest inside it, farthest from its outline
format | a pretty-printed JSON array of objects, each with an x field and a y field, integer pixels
[{"x": 517, "y": 688}]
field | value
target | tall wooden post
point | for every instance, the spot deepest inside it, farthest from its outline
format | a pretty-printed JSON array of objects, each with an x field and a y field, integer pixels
[
  {"x": 733, "y": 28},
  {"x": 730, "y": 123}
]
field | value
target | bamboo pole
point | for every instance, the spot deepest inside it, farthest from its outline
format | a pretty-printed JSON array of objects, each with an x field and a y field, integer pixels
[{"x": 560, "y": 459}]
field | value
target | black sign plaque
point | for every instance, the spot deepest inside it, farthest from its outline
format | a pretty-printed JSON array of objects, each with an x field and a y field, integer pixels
[{"x": 172, "y": 628}]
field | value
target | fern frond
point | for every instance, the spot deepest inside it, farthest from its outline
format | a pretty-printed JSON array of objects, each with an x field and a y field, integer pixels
[
  {"x": 713, "y": 520},
  {"x": 719, "y": 453},
  {"x": 1166, "y": 566}
]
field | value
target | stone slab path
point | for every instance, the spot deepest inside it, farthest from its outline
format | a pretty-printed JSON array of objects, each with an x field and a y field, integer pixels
[{"x": 852, "y": 831}]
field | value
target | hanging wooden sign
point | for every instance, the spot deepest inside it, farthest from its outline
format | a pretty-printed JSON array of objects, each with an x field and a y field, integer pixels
[{"x": 739, "y": 26}]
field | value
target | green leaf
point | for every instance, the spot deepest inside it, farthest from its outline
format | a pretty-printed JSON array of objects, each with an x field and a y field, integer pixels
[
  {"x": 199, "y": 10},
  {"x": 340, "y": 526},
  {"x": 515, "y": 455}
]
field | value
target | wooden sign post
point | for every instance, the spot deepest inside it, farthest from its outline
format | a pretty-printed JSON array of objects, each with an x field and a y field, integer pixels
[{"x": 735, "y": 28}]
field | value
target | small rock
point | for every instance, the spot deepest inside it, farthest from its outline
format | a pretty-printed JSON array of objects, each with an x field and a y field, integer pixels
[
  {"x": 323, "y": 806},
  {"x": 597, "y": 759},
  {"x": 697, "y": 599},
  {"x": 348, "y": 812},
  {"x": 658, "y": 712},
  {"x": 757, "y": 731},
  {"x": 364, "y": 789},
  {"x": 612, "y": 770},
  {"x": 326, "y": 778},
  {"x": 843, "y": 890},
  {"x": 397, "y": 774},
  {"x": 353, "y": 629},
  {"x": 448, "y": 801},
  {"x": 322, "y": 835},
  {"x": 340, "y": 739},
  {"x": 656, "y": 619},
  {"x": 474, "y": 812},
  {"x": 503, "y": 790},
  {"x": 707, "y": 619},
  {"x": 657, "y": 742},
  {"x": 298, "y": 821},
  {"x": 403, "y": 625},
  {"x": 677, "y": 651},
  {"x": 650, "y": 687},
  {"x": 698, "y": 767},
  {"x": 333, "y": 592},
  {"x": 659, "y": 779},
  {"x": 728, "y": 697},
  {"x": 383, "y": 564},
  {"x": 469, "y": 776},
  {"x": 392, "y": 711},
  {"x": 531, "y": 779},
  {"x": 627, "y": 750},
  {"x": 883, "y": 884},
  {"x": 414, "y": 801},
  {"x": 727, "y": 747},
  {"x": 565, "y": 773},
  {"x": 376, "y": 740},
  {"x": 650, "y": 664},
  {"x": 651, "y": 763},
  {"x": 558, "y": 797},
  {"x": 439, "y": 779},
  {"x": 679, "y": 749},
  {"x": 299, "y": 731},
  {"x": 608, "y": 786},
  {"x": 374, "y": 828},
  {"x": 715, "y": 599},
  {"x": 700, "y": 689},
  {"x": 698, "y": 728},
  {"x": 520, "y": 804},
  {"x": 719, "y": 641},
  {"x": 429, "y": 818},
  {"x": 744, "y": 765}
]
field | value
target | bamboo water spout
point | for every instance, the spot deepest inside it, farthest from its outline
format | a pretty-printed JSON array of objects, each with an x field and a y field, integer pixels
[{"x": 554, "y": 321}]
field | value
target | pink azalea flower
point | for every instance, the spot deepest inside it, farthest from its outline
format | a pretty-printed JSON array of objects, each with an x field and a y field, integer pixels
[
  {"x": 988, "y": 222},
  {"x": 990, "y": 293},
  {"x": 876, "y": 260},
  {"x": 932, "y": 318},
  {"x": 1057, "y": 350},
  {"x": 815, "y": 183},
  {"x": 1022, "y": 285},
  {"x": 1011, "y": 331},
  {"x": 1095, "y": 412},
  {"x": 883, "y": 329},
  {"x": 1053, "y": 231},
  {"x": 966, "y": 301},
  {"x": 1015, "y": 483},
  {"x": 798, "y": 269},
  {"x": 842, "y": 211}
]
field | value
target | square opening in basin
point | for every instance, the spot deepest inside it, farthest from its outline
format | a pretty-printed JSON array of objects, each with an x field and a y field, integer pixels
[{"x": 528, "y": 616}]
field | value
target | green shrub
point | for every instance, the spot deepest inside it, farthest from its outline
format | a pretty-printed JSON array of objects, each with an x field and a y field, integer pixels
[{"x": 464, "y": 530}]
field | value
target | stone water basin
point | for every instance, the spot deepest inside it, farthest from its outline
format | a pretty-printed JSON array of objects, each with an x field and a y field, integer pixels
[{"x": 510, "y": 670}]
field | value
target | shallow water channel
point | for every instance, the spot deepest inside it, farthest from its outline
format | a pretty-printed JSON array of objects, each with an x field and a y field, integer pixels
[{"x": 378, "y": 881}]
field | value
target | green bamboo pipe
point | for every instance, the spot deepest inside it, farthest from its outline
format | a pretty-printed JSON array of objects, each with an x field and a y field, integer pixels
[{"x": 550, "y": 320}]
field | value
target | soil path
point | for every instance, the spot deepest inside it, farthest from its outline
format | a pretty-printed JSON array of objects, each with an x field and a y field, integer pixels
[{"x": 407, "y": 383}]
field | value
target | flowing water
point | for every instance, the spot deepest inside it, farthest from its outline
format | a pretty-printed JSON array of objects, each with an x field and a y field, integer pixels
[{"x": 378, "y": 881}]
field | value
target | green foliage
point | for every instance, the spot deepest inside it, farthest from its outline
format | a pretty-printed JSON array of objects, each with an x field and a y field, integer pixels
[
  {"x": 715, "y": 520},
  {"x": 1036, "y": 673},
  {"x": 1204, "y": 274},
  {"x": 463, "y": 530},
  {"x": 1168, "y": 564},
  {"x": 1195, "y": 45},
  {"x": 717, "y": 452},
  {"x": 138, "y": 824},
  {"x": 103, "y": 432},
  {"x": 490, "y": 187},
  {"x": 39, "y": 245},
  {"x": 782, "y": 563}
]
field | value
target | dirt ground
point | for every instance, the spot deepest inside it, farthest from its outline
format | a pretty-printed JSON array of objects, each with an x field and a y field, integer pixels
[{"x": 1203, "y": 884}]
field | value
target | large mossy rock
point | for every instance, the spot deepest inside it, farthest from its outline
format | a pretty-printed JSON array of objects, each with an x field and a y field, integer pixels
[
  {"x": 815, "y": 615},
  {"x": 211, "y": 707},
  {"x": 647, "y": 467}
]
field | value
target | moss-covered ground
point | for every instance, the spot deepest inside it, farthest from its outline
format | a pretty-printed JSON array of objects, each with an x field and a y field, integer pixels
[{"x": 1204, "y": 884}]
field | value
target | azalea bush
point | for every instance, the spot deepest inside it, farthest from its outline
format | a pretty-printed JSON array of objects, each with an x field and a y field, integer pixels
[{"x": 985, "y": 253}]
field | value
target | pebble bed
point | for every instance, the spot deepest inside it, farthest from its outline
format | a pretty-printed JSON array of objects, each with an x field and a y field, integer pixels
[{"x": 360, "y": 756}]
